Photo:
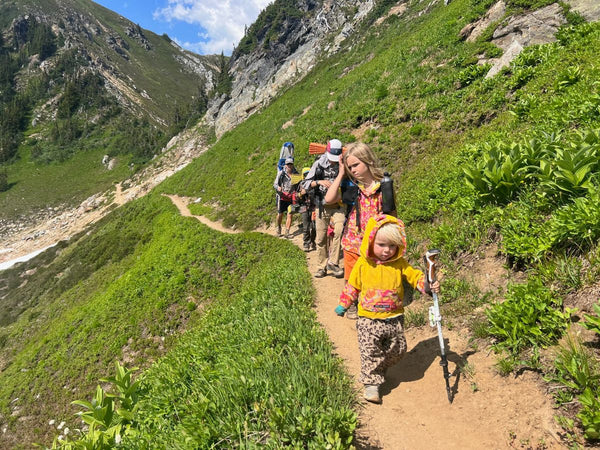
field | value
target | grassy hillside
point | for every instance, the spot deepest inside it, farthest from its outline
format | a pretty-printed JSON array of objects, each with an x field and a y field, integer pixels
[
  {"x": 128, "y": 291},
  {"x": 78, "y": 81},
  {"x": 509, "y": 162}
]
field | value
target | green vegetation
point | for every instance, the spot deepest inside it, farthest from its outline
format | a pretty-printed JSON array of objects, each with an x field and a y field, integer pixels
[
  {"x": 529, "y": 316},
  {"x": 509, "y": 162},
  {"x": 55, "y": 104},
  {"x": 128, "y": 291},
  {"x": 268, "y": 27}
]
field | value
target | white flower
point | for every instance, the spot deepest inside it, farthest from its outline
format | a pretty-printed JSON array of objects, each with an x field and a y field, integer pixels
[
  {"x": 51, "y": 422},
  {"x": 60, "y": 425}
]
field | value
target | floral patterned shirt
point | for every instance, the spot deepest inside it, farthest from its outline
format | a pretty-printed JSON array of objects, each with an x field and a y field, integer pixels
[{"x": 370, "y": 204}]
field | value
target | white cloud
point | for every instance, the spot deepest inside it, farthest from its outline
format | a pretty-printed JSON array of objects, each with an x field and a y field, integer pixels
[{"x": 222, "y": 21}]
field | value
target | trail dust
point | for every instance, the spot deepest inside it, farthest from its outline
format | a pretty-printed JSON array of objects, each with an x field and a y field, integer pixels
[{"x": 488, "y": 410}]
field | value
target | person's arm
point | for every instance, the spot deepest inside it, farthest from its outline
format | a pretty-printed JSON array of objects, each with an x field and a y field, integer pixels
[{"x": 417, "y": 279}]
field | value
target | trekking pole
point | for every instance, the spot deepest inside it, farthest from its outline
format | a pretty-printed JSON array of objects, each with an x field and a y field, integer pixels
[{"x": 435, "y": 318}]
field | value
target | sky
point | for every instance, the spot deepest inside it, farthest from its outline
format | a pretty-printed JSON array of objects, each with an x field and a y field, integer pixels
[{"x": 202, "y": 26}]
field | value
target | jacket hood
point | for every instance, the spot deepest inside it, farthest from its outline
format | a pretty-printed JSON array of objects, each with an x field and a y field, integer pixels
[{"x": 373, "y": 226}]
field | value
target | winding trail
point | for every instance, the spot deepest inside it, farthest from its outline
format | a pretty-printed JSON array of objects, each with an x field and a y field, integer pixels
[{"x": 488, "y": 411}]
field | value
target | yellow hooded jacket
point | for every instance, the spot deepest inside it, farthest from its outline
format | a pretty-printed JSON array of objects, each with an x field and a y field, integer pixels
[{"x": 375, "y": 284}]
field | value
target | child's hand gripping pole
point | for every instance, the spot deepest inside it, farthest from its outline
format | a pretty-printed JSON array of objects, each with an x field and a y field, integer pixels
[{"x": 435, "y": 318}]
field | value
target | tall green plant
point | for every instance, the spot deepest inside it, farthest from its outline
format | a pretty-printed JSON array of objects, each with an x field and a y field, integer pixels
[
  {"x": 109, "y": 416},
  {"x": 592, "y": 321},
  {"x": 530, "y": 316},
  {"x": 569, "y": 169},
  {"x": 500, "y": 172}
]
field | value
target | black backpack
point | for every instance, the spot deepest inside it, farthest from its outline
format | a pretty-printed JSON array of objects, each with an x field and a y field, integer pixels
[{"x": 350, "y": 192}]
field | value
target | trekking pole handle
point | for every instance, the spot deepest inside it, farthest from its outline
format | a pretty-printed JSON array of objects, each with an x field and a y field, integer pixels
[{"x": 431, "y": 257}]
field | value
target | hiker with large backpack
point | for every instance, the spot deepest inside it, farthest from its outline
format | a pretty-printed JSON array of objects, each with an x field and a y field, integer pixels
[
  {"x": 284, "y": 188},
  {"x": 321, "y": 175},
  {"x": 359, "y": 184},
  {"x": 306, "y": 202},
  {"x": 287, "y": 151}
]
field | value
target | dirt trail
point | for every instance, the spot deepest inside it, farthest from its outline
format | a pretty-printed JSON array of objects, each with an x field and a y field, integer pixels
[{"x": 489, "y": 411}]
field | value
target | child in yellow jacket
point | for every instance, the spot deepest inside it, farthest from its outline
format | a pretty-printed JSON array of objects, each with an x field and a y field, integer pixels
[{"x": 376, "y": 284}]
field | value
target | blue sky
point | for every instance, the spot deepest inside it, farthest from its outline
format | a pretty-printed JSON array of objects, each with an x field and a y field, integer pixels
[{"x": 202, "y": 26}]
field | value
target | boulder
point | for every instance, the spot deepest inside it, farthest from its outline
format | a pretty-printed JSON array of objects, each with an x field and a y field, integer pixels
[
  {"x": 590, "y": 9},
  {"x": 537, "y": 27},
  {"x": 473, "y": 30}
]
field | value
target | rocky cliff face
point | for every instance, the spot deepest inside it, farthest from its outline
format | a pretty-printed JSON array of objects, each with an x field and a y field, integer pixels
[{"x": 260, "y": 75}]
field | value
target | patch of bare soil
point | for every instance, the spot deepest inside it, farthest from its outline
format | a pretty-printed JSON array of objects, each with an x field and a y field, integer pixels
[
  {"x": 584, "y": 299},
  {"x": 488, "y": 411}
]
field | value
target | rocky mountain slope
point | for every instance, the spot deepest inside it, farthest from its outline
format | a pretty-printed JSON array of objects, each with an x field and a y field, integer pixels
[
  {"x": 262, "y": 74},
  {"x": 148, "y": 73},
  {"x": 274, "y": 64}
]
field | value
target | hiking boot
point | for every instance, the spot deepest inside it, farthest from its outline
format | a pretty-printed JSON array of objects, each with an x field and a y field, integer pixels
[
  {"x": 313, "y": 246},
  {"x": 352, "y": 312},
  {"x": 336, "y": 271},
  {"x": 372, "y": 393},
  {"x": 306, "y": 248},
  {"x": 287, "y": 233},
  {"x": 321, "y": 273}
]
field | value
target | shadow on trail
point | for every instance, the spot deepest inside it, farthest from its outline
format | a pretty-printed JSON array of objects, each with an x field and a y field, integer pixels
[{"x": 416, "y": 362}]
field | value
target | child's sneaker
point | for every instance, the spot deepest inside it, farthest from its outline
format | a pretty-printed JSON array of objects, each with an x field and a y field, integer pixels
[{"x": 372, "y": 393}]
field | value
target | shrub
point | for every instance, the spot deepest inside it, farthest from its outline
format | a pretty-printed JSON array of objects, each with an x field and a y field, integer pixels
[
  {"x": 472, "y": 73},
  {"x": 529, "y": 316},
  {"x": 590, "y": 413},
  {"x": 500, "y": 172}
]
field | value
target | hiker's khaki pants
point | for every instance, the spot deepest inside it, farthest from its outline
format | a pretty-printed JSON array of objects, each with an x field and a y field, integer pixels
[{"x": 324, "y": 252}]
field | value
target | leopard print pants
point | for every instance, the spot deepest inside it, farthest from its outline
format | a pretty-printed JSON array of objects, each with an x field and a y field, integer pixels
[{"x": 382, "y": 344}]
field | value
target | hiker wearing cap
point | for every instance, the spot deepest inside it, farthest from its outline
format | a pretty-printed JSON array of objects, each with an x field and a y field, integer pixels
[
  {"x": 287, "y": 151},
  {"x": 320, "y": 176},
  {"x": 284, "y": 187}
]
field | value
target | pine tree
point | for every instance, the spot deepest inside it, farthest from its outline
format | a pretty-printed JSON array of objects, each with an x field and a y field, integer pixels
[{"x": 224, "y": 79}]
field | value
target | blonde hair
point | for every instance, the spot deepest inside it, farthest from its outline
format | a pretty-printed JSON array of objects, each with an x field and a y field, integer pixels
[
  {"x": 364, "y": 154},
  {"x": 391, "y": 233}
]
